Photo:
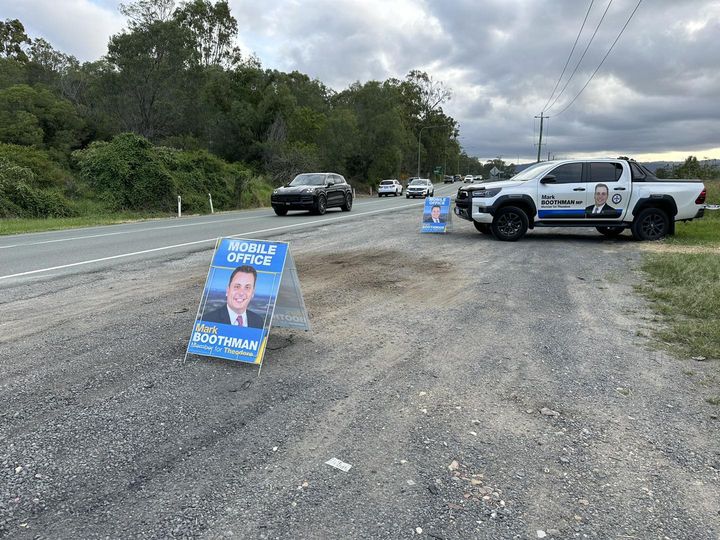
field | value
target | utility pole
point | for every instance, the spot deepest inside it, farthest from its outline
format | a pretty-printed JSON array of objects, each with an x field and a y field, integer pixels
[{"x": 541, "y": 117}]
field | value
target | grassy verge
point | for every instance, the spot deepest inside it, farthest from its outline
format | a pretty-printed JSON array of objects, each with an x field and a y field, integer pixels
[
  {"x": 17, "y": 226},
  {"x": 685, "y": 290},
  {"x": 685, "y": 287},
  {"x": 705, "y": 231},
  {"x": 256, "y": 194}
]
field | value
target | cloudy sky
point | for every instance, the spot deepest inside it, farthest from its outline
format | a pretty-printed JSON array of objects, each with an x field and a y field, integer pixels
[{"x": 657, "y": 95}]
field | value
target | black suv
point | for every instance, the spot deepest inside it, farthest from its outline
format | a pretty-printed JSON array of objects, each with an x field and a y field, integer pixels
[{"x": 313, "y": 191}]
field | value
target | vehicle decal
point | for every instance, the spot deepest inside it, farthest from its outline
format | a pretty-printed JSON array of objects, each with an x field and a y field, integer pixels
[{"x": 562, "y": 213}]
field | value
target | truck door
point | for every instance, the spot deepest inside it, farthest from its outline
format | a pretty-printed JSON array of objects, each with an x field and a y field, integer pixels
[
  {"x": 608, "y": 191},
  {"x": 561, "y": 194}
]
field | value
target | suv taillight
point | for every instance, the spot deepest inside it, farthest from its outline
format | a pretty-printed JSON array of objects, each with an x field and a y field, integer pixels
[{"x": 701, "y": 197}]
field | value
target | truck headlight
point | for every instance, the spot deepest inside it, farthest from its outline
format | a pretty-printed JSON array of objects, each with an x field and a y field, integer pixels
[{"x": 485, "y": 193}]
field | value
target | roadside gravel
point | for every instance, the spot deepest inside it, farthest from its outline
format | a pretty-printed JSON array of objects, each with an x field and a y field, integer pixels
[{"x": 478, "y": 389}]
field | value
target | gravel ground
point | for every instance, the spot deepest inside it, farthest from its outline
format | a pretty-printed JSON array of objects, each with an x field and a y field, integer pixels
[{"x": 478, "y": 389}]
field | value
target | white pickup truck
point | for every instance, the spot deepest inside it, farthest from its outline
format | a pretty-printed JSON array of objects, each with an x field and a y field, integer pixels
[{"x": 609, "y": 194}]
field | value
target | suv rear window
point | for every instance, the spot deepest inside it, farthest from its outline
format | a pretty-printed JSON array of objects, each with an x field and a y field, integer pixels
[{"x": 386, "y": 182}]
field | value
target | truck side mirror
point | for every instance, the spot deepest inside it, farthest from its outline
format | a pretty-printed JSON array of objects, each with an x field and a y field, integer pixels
[{"x": 549, "y": 179}]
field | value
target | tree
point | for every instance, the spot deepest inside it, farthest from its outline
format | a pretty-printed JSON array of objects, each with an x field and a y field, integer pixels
[
  {"x": 35, "y": 117},
  {"x": 147, "y": 12},
  {"x": 12, "y": 39},
  {"x": 424, "y": 94},
  {"x": 214, "y": 29},
  {"x": 150, "y": 65}
]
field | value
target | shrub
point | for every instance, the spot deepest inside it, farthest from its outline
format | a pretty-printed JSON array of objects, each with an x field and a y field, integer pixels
[
  {"x": 127, "y": 173},
  {"x": 18, "y": 197}
]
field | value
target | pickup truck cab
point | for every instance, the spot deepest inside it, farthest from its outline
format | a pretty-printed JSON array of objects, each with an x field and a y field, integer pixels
[{"x": 609, "y": 194}]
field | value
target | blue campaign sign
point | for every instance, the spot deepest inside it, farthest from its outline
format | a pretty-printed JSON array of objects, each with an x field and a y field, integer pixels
[
  {"x": 436, "y": 215},
  {"x": 238, "y": 301}
]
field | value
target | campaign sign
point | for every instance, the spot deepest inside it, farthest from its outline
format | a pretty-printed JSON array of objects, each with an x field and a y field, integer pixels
[
  {"x": 237, "y": 305},
  {"x": 436, "y": 215}
]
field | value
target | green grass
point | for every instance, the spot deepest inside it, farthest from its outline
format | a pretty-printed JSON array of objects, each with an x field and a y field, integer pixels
[
  {"x": 685, "y": 291},
  {"x": 256, "y": 195},
  {"x": 705, "y": 231},
  {"x": 684, "y": 288},
  {"x": 18, "y": 226}
]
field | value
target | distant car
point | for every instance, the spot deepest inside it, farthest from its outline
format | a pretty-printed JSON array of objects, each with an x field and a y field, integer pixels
[
  {"x": 313, "y": 191},
  {"x": 390, "y": 187},
  {"x": 420, "y": 187},
  {"x": 477, "y": 178},
  {"x": 457, "y": 178},
  {"x": 448, "y": 180},
  {"x": 469, "y": 178}
]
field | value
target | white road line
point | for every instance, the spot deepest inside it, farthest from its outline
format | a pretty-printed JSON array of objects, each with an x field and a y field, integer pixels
[
  {"x": 145, "y": 229},
  {"x": 130, "y": 232},
  {"x": 112, "y": 257}
]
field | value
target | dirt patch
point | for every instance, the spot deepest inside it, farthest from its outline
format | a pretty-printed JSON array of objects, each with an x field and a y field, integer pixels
[{"x": 659, "y": 247}]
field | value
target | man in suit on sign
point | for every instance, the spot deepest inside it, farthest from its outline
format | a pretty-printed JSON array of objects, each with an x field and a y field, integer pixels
[
  {"x": 601, "y": 209},
  {"x": 434, "y": 216},
  {"x": 239, "y": 293}
]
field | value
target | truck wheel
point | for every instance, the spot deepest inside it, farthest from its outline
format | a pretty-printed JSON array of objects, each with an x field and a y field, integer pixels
[
  {"x": 482, "y": 227},
  {"x": 610, "y": 232},
  {"x": 651, "y": 224},
  {"x": 320, "y": 205},
  {"x": 509, "y": 224},
  {"x": 280, "y": 211}
]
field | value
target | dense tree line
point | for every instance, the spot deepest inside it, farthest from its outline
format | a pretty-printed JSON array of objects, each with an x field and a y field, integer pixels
[
  {"x": 690, "y": 168},
  {"x": 174, "y": 107}
]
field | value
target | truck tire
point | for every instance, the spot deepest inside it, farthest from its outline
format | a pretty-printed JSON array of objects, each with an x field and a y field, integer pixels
[
  {"x": 509, "y": 224},
  {"x": 482, "y": 227},
  {"x": 651, "y": 224},
  {"x": 610, "y": 232}
]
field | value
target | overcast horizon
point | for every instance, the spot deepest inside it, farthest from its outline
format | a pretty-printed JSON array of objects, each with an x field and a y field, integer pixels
[{"x": 655, "y": 98}]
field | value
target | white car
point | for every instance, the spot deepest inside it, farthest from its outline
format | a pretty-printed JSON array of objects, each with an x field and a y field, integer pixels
[
  {"x": 420, "y": 187},
  {"x": 469, "y": 178},
  {"x": 390, "y": 187}
]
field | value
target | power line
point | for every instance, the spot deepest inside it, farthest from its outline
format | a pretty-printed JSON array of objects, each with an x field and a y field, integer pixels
[
  {"x": 583, "y": 55},
  {"x": 570, "y": 55},
  {"x": 601, "y": 61}
]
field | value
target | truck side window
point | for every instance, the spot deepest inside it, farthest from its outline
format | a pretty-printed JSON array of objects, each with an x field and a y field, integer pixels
[
  {"x": 605, "y": 172},
  {"x": 570, "y": 173},
  {"x": 638, "y": 175}
]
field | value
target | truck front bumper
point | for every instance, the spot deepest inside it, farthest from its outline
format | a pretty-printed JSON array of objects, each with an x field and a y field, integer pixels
[{"x": 465, "y": 209}]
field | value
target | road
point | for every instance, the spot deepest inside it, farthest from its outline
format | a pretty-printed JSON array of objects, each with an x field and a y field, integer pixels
[
  {"x": 82, "y": 250},
  {"x": 479, "y": 389}
]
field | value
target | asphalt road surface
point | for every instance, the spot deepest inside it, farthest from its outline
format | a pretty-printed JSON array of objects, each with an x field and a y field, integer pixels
[
  {"x": 81, "y": 250},
  {"x": 479, "y": 389}
]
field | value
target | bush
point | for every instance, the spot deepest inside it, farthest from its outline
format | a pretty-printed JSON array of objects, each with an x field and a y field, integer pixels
[
  {"x": 127, "y": 174},
  {"x": 46, "y": 171},
  {"x": 18, "y": 197}
]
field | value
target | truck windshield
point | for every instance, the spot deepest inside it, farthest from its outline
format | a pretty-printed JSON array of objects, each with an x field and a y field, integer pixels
[{"x": 534, "y": 171}]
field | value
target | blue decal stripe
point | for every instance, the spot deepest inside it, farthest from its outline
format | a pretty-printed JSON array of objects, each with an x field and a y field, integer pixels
[{"x": 567, "y": 212}]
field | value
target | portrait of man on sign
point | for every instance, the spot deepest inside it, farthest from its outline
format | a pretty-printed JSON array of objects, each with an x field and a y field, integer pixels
[
  {"x": 238, "y": 295},
  {"x": 434, "y": 216},
  {"x": 601, "y": 209}
]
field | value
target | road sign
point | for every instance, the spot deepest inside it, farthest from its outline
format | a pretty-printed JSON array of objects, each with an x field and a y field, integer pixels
[{"x": 494, "y": 171}]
